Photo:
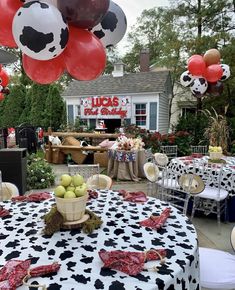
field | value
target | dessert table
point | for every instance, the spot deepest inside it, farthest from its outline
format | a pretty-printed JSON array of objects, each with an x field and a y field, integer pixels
[
  {"x": 81, "y": 267},
  {"x": 126, "y": 165},
  {"x": 227, "y": 178}
]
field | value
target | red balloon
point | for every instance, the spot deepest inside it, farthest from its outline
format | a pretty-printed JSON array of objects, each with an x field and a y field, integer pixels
[
  {"x": 213, "y": 73},
  {"x": 83, "y": 13},
  {"x": 85, "y": 56},
  {"x": 8, "y": 10},
  {"x": 1, "y": 97},
  {"x": 4, "y": 78},
  {"x": 44, "y": 71},
  {"x": 196, "y": 65}
]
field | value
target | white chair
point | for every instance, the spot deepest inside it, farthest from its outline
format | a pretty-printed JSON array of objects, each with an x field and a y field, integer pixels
[
  {"x": 151, "y": 172},
  {"x": 201, "y": 149},
  {"x": 100, "y": 181},
  {"x": 216, "y": 269},
  {"x": 170, "y": 150},
  {"x": 213, "y": 199},
  {"x": 86, "y": 170},
  {"x": 170, "y": 191}
]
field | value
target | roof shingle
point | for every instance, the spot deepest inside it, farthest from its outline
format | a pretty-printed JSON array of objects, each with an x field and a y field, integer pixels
[{"x": 141, "y": 82}]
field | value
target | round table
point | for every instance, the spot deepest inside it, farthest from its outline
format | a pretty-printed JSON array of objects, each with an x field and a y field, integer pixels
[
  {"x": 81, "y": 268},
  {"x": 227, "y": 178}
]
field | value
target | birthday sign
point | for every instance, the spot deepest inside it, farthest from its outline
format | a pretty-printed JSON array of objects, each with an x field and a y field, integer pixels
[{"x": 106, "y": 106}]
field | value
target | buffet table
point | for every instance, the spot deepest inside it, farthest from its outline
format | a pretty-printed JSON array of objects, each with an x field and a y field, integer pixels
[
  {"x": 126, "y": 165},
  {"x": 81, "y": 268}
]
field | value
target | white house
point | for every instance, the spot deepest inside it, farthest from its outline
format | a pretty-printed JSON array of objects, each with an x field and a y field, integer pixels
[{"x": 140, "y": 98}]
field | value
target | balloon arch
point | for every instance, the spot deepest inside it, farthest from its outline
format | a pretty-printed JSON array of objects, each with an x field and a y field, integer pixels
[{"x": 57, "y": 36}]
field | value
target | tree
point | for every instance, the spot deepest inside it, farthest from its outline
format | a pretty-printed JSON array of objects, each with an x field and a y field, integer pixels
[
  {"x": 38, "y": 95},
  {"x": 55, "y": 111},
  {"x": 13, "y": 106},
  {"x": 189, "y": 27}
]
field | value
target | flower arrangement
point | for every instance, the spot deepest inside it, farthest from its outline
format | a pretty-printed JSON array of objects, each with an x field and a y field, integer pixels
[
  {"x": 39, "y": 173},
  {"x": 124, "y": 143}
]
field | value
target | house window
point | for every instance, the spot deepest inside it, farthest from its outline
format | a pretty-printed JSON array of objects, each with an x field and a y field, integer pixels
[
  {"x": 140, "y": 114},
  {"x": 187, "y": 111},
  {"x": 78, "y": 110}
]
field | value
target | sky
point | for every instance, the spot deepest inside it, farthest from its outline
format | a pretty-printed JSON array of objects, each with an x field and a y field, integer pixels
[{"x": 133, "y": 9}]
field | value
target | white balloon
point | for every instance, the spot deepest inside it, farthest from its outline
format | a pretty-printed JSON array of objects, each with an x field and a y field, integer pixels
[
  {"x": 39, "y": 30},
  {"x": 226, "y": 72},
  {"x": 53, "y": 2},
  {"x": 112, "y": 27},
  {"x": 186, "y": 78},
  {"x": 199, "y": 86}
]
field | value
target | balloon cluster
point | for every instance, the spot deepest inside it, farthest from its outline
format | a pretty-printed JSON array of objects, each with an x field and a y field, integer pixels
[
  {"x": 4, "y": 80},
  {"x": 205, "y": 74},
  {"x": 57, "y": 36}
]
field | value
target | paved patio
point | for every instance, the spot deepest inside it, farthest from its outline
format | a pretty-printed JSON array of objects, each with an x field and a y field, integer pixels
[{"x": 207, "y": 229}]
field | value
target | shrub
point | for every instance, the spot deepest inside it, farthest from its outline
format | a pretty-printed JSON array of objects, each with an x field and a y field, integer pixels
[{"x": 39, "y": 173}]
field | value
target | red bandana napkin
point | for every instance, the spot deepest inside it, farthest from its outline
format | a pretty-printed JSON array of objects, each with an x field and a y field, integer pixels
[
  {"x": 37, "y": 196},
  {"x": 4, "y": 212},
  {"x": 156, "y": 222},
  {"x": 131, "y": 263},
  {"x": 13, "y": 273},
  {"x": 138, "y": 196}
]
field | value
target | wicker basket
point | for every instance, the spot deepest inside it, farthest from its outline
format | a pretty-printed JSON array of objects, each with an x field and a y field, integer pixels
[
  {"x": 101, "y": 158},
  {"x": 215, "y": 155},
  {"x": 72, "y": 209}
]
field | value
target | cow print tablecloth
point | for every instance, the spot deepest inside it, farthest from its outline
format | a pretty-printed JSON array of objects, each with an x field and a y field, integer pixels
[
  {"x": 21, "y": 238},
  {"x": 228, "y": 174}
]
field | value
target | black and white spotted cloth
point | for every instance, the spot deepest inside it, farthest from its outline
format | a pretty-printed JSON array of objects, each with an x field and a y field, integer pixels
[
  {"x": 21, "y": 238},
  {"x": 228, "y": 174}
]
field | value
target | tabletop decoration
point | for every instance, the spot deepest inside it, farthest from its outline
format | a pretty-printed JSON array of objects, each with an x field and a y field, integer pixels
[
  {"x": 138, "y": 196},
  {"x": 122, "y": 156},
  {"x": 54, "y": 222},
  {"x": 4, "y": 212},
  {"x": 215, "y": 152},
  {"x": 125, "y": 143},
  {"x": 156, "y": 222},
  {"x": 131, "y": 263},
  {"x": 33, "y": 197},
  {"x": 16, "y": 272}
]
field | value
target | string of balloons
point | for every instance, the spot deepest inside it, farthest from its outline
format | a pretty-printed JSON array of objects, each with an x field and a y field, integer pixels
[
  {"x": 205, "y": 74},
  {"x": 57, "y": 36}
]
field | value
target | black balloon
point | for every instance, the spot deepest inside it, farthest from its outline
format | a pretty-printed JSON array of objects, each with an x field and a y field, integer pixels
[
  {"x": 215, "y": 89},
  {"x": 83, "y": 13}
]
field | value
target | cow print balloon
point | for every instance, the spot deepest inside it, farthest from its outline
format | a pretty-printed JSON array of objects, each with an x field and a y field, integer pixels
[
  {"x": 226, "y": 72},
  {"x": 40, "y": 30},
  {"x": 113, "y": 26},
  {"x": 199, "y": 86},
  {"x": 186, "y": 79}
]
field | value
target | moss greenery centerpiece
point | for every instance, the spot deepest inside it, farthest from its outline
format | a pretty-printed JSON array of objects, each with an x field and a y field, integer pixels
[{"x": 40, "y": 174}]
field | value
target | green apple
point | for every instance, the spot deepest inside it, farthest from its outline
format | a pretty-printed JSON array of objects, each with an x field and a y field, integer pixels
[
  {"x": 65, "y": 180},
  {"x": 70, "y": 188},
  {"x": 77, "y": 180},
  {"x": 60, "y": 191},
  {"x": 81, "y": 190},
  {"x": 69, "y": 194}
]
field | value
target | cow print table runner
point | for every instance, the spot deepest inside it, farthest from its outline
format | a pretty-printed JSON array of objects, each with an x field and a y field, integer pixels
[{"x": 81, "y": 268}]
